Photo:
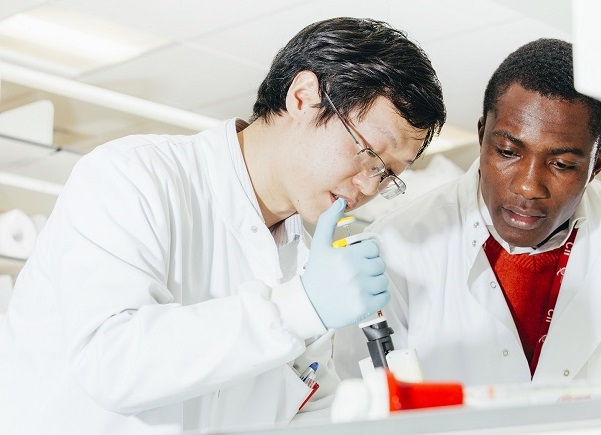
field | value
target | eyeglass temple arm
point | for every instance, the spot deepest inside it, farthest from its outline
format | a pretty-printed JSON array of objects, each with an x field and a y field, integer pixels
[{"x": 342, "y": 120}]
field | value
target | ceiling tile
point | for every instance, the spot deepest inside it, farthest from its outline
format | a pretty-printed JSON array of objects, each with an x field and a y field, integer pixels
[
  {"x": 256, "y": 42},
  {"x": 464, "y": 65},
  {"x": 10, "y": 7},
  {"x": 430, "y": 20},
  {"x": 556, "y": 13},
  {"x": 183, "y": 19},
  {"x": 179, "y": 76}
]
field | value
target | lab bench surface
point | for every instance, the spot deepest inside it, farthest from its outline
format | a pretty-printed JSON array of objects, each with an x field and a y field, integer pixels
[{"x": 576, "y": 417}]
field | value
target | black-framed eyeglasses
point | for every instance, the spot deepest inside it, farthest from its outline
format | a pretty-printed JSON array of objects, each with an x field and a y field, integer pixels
[{"x": 390, "y": 185}]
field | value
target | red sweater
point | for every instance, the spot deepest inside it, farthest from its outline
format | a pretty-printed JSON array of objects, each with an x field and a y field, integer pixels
[{"x": 526, "y": 282}]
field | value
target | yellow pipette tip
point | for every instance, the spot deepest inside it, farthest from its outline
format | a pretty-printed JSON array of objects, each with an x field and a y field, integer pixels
[
  {"x": 340, "y": 243},
  {"x": 346, "y": 220}
]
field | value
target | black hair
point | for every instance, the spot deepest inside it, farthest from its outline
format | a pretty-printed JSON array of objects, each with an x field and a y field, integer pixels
[
  {"x": 357, "y": 60},
  {"x": 544, "y": 66}
]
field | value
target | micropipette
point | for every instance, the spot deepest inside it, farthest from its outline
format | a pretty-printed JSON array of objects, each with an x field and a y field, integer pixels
[{"x": 379, "y": 340}]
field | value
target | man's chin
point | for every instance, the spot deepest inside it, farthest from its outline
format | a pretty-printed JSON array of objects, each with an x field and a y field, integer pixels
[{"x": 521, "y": 240}]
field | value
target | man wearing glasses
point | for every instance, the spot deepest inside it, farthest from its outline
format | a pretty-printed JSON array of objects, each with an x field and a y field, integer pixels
[{"x": 173, "y": 287}]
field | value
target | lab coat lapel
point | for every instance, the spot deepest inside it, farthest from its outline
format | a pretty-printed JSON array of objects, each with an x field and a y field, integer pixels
[
  {"x": 482, "y": 281},
  {"x": 238, "y": 207},
  {"x": 487, "y": 291},
  {"x": 575, "y": 330}
]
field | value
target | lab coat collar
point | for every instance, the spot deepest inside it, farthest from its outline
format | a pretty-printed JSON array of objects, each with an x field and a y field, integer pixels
[
  {"x": 247, "y": 220},
  {"x": 558, "y": 239},
  {"x": 235, "y": 197},
  {"x": 475, "y": 231},
  {"x": 290, "y": 229},
  {"x": 481, "y": 277},
  {"x": 239, "y": 165}
]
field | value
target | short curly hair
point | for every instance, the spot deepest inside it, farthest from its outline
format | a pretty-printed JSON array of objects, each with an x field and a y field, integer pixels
[{"x": 544, "y": 66}]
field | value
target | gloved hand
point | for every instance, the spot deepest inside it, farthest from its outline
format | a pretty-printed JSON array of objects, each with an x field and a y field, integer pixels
[{"x": 345, "y": 285}]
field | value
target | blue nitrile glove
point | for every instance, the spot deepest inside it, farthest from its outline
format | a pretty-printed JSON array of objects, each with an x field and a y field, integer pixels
[{"x": 345, "y": 285}]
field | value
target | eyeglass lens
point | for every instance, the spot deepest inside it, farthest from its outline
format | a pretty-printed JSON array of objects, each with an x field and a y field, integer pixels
[{"x": 371, "y": 163}]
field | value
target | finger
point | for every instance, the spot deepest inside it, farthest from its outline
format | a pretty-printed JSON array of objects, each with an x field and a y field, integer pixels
[
  {"x": 367, "y": 268},
  {"x": 374, "y": 266},
  {"x": 367, "y": 249},
  {"x": 377, "y": 285},
  {"x": 326, "y": 224},
  {"x": 379, "y": 301}
]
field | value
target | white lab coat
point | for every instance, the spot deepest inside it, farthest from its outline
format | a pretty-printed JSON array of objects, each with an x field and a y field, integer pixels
[
  {"x": 157, "y": 301},
  {"x": 447, "y": 303}
]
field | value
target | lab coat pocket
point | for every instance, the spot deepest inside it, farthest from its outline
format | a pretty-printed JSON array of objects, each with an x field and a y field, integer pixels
[
  {"x": 293, "y": 395},
  {"x": 270, "y": 398}
]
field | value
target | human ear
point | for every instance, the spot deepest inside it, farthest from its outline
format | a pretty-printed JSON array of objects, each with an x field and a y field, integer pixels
[
  {"x": 481, "y": 125},
  {"x": 303, "y": 94},
  {"x": 597, "y": 167}
]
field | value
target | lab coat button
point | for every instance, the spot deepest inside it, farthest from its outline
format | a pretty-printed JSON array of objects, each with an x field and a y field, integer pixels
[
  {"x": 505, "y": 352},
  {"x": 476, "y": 224},
  {"x": 566, "y": 372},
  {"x": 474, "y": 243},
  {"x": 493, "y": 284},
  {"x": 254, "y": 229}
]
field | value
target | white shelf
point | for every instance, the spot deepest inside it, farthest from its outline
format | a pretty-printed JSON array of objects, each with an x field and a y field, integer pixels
[
  {"x": 32, "y": 174},
  {"x": 31, "y": 177},
  {"x": 10, "y": 265}
]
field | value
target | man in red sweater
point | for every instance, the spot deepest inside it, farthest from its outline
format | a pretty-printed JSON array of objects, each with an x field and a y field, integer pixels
[{"x": 495, "y": 276}]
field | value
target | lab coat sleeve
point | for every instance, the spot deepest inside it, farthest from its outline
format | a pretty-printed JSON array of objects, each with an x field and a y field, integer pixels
[
  {"x": 296, "y": 308},
  {"x": 129, "y": 346}
]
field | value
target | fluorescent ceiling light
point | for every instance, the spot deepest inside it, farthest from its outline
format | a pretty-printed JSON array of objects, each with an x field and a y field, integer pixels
[{"x": 63, "y": 41}]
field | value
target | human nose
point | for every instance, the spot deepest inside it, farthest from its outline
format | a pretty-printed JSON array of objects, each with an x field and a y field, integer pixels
[
  {"x": 367, "y": 185},
  {"x": 529, "y": 181}
]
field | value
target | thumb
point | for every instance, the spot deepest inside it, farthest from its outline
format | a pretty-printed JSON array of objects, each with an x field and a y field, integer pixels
[{"x": 326, "y": 224}]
